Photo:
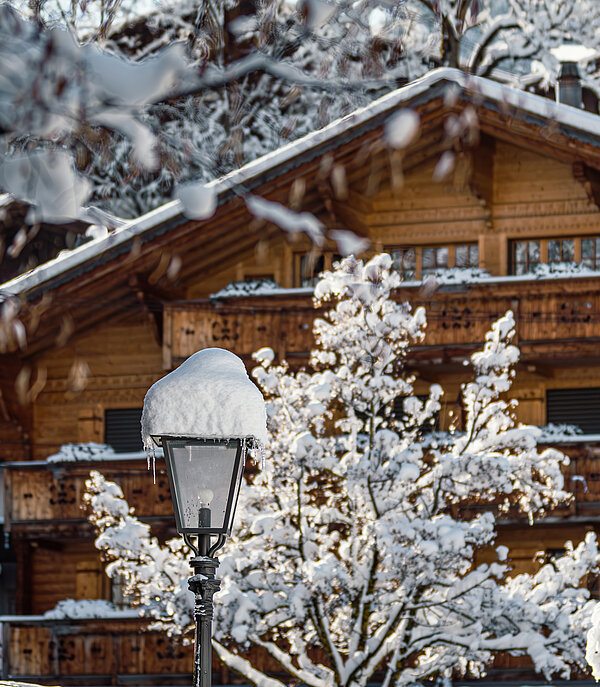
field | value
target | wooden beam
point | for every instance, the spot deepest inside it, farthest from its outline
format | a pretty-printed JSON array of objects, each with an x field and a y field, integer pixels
[
  {"x": 481, "y": 181},
  {"x": 589, "y": 178},
  {"x": 348, "y": 218},
  {"x": 539, "y": 369}
]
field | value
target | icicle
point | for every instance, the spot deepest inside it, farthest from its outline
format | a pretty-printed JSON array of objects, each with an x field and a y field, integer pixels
[
  {"x": 147, "y": 458},
  {"x": 154, "y": 464},
  {"x": 258, "y": 452}
]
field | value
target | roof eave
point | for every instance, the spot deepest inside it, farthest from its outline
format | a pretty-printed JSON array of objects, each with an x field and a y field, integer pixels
[{"x": 573, "y": 123}]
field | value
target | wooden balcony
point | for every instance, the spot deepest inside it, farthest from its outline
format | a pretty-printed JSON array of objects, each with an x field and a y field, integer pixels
[
  {"x": 46, "y": 498},
  {"x": 104, "y": 651},
  {"x": 98, "y": 652},
  {"x": 241, "y": 324},
  {"x": 556, "y": 319},
  {"x": 49, "y": 496},
  {"x": 92, "y": 652}
]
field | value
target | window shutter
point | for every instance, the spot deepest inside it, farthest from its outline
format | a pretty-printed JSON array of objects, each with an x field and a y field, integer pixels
[
  {"x": 580, "y": 407},
  {"x": 122, "y": 429}
]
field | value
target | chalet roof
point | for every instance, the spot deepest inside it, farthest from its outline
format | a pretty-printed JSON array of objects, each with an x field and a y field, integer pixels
[{"x": 576, "y": 128}]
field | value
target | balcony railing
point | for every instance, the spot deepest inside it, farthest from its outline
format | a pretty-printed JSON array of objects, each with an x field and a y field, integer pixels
[
  {"x": 88, "y": 652},
  {"x": 38, "y": 492},
  {"x": 103, "y": 651},
  {"x": 91, "y": 652},
  {"x": 555, "y": 317}
]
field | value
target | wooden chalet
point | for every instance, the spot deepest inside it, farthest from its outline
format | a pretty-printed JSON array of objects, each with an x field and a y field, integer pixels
[{"x": 521, "y": 189}]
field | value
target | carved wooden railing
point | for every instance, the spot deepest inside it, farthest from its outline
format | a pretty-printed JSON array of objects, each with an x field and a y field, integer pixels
[
  {"x": 91, "y": 651},
  {"x": 242, "y": 325},
  {"x": 554, "y": 316},
  {"x": 40, "y": 491},
  {"x": 99, "y": 651}
]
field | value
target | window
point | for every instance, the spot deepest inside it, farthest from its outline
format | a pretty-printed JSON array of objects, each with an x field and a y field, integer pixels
[
  {"x": 118, "y": 596},
  {"x": 416, "y": 262},
  {"x": 434, "y": 259},
  {"x": 526, "y": 256},
  {"x": 466, "y": 255},
  {"x": 561, "y": 250},
  {"x": 404, "y": 260},
  {"x": 590, "y": 252},
  {"x": 308, "y": 266},
  {"x": 122, "y": 429},
  {"x": 580, "y": 407}
]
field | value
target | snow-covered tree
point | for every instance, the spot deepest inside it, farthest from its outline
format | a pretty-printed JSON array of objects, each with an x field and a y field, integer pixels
[
  {"x": 353, "y": 552},
  {"x": 230, "y": 80},
  {"x": 230, "y": 85}
]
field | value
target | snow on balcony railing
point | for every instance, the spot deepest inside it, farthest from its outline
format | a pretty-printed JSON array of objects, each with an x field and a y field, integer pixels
[{"x": 442, "y": 277}]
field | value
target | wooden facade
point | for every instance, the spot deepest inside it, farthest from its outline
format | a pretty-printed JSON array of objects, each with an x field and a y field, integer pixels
[{"x": 102, "y": 330}]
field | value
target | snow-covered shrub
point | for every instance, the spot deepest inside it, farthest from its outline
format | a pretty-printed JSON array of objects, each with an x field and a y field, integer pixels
[
  {"x": 253, "y": 287},
  {"x": 457, "y": 275},
  {"x": 351, "y": 539},
  {"x": 87, "y": 608},
  {"x": 569, "y": 269},
  {"x": 71, "y": 453}
]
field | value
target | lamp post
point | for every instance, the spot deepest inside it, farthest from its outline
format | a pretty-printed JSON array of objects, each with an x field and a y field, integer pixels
[
  {"x": 205, "y": 476},
  {"x": 205, "y": 414}
]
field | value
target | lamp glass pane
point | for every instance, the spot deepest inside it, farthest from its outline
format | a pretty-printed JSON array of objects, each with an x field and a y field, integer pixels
[{"x": 202, "y": 477}]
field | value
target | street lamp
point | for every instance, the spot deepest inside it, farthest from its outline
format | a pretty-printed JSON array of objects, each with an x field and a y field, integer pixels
[
  {"x": 205, "y": 476},
  {"x": 205, "y": 414}
]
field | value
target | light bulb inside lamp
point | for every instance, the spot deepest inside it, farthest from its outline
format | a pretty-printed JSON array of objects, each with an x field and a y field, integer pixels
[{"x": 205, "y": 496}]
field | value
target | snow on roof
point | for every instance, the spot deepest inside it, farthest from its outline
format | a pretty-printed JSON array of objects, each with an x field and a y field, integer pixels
[
  {"x": 573, "y": 118},
  {"x": 210, "y": 396}
]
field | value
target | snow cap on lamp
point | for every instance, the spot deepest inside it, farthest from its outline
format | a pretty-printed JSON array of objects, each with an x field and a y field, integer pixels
[{"x": 210, "y": 396}]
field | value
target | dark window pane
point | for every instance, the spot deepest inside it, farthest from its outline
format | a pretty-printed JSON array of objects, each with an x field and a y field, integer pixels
[
  {"x": 553, "y": 251},
  {"x": 474, "y": 256},
  {"x": 441, "y": 255},
  {"x": 520, "y": 268},
  {"x": 409, "y": 259},
  {"x": 310, "y": 268},
  {"x": 461, "y": 256},
  {"x": 521, "y": 251},
  {"x": 568, "y": 250},
  {"x": 587, "y": 248},
  {"x": 404, "y": 260},
  {"x": 428, "y": 259},
  {"x": 122, "y": 429},
  {"x": 534, "y": 251}
]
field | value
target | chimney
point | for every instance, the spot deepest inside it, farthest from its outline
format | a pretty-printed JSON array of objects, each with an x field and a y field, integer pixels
[{"x": 569, "y": 91}]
